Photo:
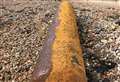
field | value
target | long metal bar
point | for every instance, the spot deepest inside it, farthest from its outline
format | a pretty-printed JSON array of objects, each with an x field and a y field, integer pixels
[{"x": 62, "y": 61}]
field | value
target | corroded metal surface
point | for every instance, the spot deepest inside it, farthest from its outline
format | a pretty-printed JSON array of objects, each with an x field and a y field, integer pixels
[
  {"x": 43, "y": 66},
  {"x": 62, "y": 61}
]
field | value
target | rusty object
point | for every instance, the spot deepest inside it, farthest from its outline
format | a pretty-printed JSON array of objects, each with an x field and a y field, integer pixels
[{"x": 62, "y": 61}]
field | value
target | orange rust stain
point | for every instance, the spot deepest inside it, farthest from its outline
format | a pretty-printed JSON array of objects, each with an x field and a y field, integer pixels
[{"x": 67, "y": 61}]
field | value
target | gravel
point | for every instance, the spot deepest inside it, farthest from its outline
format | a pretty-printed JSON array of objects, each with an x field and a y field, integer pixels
[
  {"x": 99, "y": 31},
  {"x": 23, "y": 29}
]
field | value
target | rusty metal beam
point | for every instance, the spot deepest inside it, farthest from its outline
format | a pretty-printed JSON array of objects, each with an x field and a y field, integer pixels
[{"x": 62, "y": 61}]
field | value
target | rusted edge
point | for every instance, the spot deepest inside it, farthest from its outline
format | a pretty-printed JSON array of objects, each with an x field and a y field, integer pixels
[{"x": 44, "y": 64}]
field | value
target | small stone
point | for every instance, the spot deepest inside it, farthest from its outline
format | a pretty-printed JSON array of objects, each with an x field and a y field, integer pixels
[
  {"x": 113, "y": 27},
  {"x": 13, "y": 80},
  {"x": 117, "y": 21},
  {"x": 115, "y": 81},
  {"x": 118, "y": 67},
  {"x": 104, "y": 41},
  {"x": 110, "y": 40}
]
